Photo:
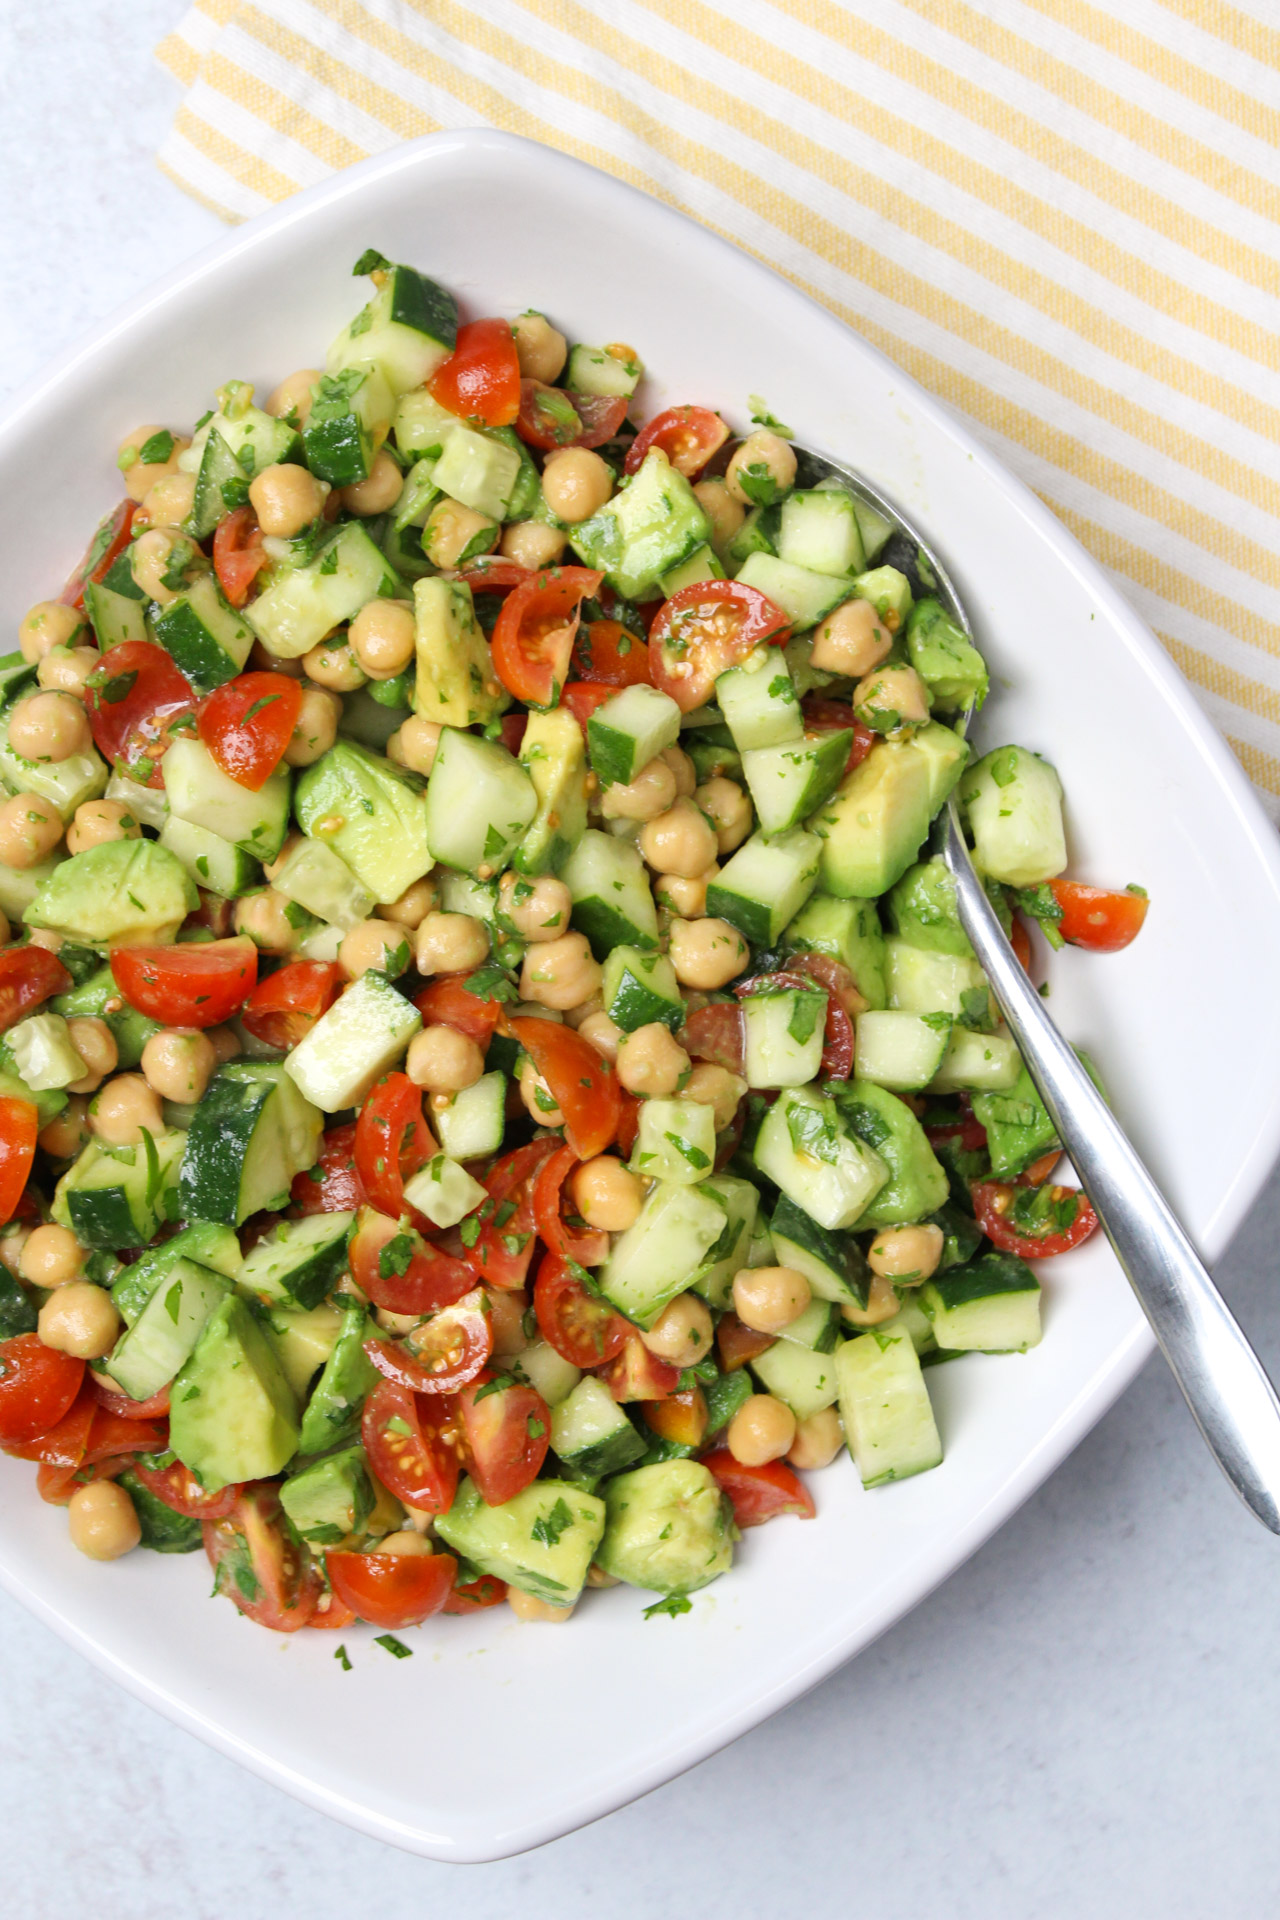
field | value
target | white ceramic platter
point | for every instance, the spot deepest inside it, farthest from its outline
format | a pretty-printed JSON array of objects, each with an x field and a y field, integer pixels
[{"x": 497, "y": 1736}]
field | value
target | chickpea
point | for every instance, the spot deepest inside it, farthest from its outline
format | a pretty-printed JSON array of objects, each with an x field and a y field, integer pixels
[
  {"x": 378, "y": 492},
  {"x": 30, "y": 829},
  {"x": 532, "y": 543},
  {"x": 404, "y": 1541},
  {"x": 453, "y": 530},
  {"x": 46, "y": 937},
  {"x": 67, "y": 669},
  {"x": 686, "y": 898},
  {"x": 50, "y": 1257},
  {"x": 451, "y": 943},
  {"x": 272, "y": 869},
  {"x": 414, "y": 744},
  {"x": 141, "y": 475},
  {"x": 13, "y": 1240},
  {"x": 316, "y": 727},
  {"x": 575, "y": 484},
  {"x": 576, "y": 1017},
  {"x": 818, "y": 1440},
  {"x": 851, "y": 640},
  {"x": 541, "y": 348},
  {"x": 262, "y": 660},
  {"x": 706, "y": 954},
  {"x": 67, "y": 1132},
  {"x": 774, "y": 464},
  {"x": 762, "y": 1429},
  {"x": 679, "y": 841},
  {"x": 413, "y": 906},
  {"x": 716, "y": 1087},
  {"x": 651, "y": 1061},
  {"x": 332, "y": 664},
  {"x": 682, "y": 1333},
  {"x": 49, "y": 727},
  {"x": 264, "y": 917},
  {"x": 383, "y": 637},
  {"x": 224, "y": 1043},
  {"x": 607, "y": 1194},
  {"x": 294, "y": 396},
  {"x": 507, "y": 1308},
  {"x": 650, "y": 794},
  {"x": 538, "y": 909},
  {"x": 540, "y": 1102},
  {"x": 723, "y": 509},
  {"x": 96, "y": 821},
  {"x": 153, "y": 557},
  {"x": 443, "y": 1060},
  {"x": 374, "y": 946},
  {"x": 169, "y": 500},
  {"x": 526, "y": 1608},
  {"x": 892, "y": 690},
  {"x": 729, "y": 811},
  {"x": 49, "y": 624},
  {"x": 882, "y": 1304},
  {"x": 908, "y": 1255},
  {"x": 125, "y": 1109},
  {"x": 79, "y": 1319},
  {"x": 560, "y": 973},
  {"x": 767, "y": 1299},
  {"x": 599, "y": 1029},
  {"x": 178, "y": 1064},
  {"x": 102, "y": 1521},
  {"x": 94, "y": 1041},
  {"x": 286, "y": 498},
  {"x": 682, "y": 769}
]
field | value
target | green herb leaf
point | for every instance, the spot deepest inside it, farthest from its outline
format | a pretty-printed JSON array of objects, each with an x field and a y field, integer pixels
[
  {"x": 394, "y": 1258},
  {"x": 396, "y": 1648},
  {"x": 549, "y": 1526},
  {"x": 159, "y": 448},
  {"x": 673, "y": 1606},
  {"x": 761, "y": 417},
  {"x": 341, "y": 1656}
]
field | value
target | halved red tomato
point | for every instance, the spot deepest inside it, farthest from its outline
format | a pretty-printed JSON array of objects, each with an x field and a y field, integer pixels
[
  {"x": 413, "y": 1445},
  {"x": 504, "y": 1238},
  {"x": 444, "y": 1353},
  {"x": 608, "y": 654},
  {"x": 837, "y": 716},
  {"x": 448, "y": 1001},
  {"x": 582, "y": 697},
  {"x": 715, "y": 1033},
  {"x": 636, "y": 1374},
  {"x": 283, "y": 1008},
  {"x": 156, "y": 1408},
  {"x": 601, "y": 417},
  {"x": 583, "y": 1329},
  {"x": 113, "y": 1433},
  {"x": 259, "y": 1566},
  {"x": 248, "y": 722},
  {"x": 548, "y": 417},
  {"x": 19, "y": 1127},
  {"x": 392, "y": 1140},
  {"x": 400, "y": 1271},
  {"x": 238, "y": 554},
  {"x": 474, "y": 1595},
  {"x": 1101, "y": 921},
  {"x": 37, "y": 1386},
  {"x": 582, "y": 1082},
  {"x": 534, "y": 633},
  {"x": 705, "y": 629},
  {"x": 480, "y": 381},
  {"x": 628, "y": 1122},
  {"x": 759, "y": 1493},
  {"x": 506, "y": 1427},
  {"x": 199, "y": 984},
  {"x": 108, "y": 543},
  {"x": 28, "y": 977},
  {"x": 64, "y": 1444},
  {"x": 588, "y": 1246},
  {"x": 1034, "y": 1222},
  {"x": 737, "y": 1343},
  {"x": 332, "y": 1185},
  {"x": 179, "y": 1489},
  {"x": 687, "y": 435},
  {"x": 392, "y": 1589},
  {"x": 138, "y": 703},
  {"x": 489, "y": 573}
]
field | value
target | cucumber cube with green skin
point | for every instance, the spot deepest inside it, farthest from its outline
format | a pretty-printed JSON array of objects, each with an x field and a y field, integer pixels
[
  {"x": 629, "y": 731},
  {"x": 889, "y": 593},
  {"x": 121, "y": 1196},
  {"x": 351, "y": 1046},
  {"x": 17, "y": 1308},
  {"x": 812, "y": 1158},
  {"x": 757, "y": 534},
  {"x": 613, "y": 903},
  {"x": 873, "y": 526},
  {"x": 803, "y": 1380},
  {"x": 945, "y": 658},
  {"x": 641, "y": 988},
  {"x": 347, "y": 409},
  {"x": 303, "y": 1338},
  {"x": 542, "y": 1542},
  {"x": 163, "y": 1530},
  {"x": 371, "y": 814},
  {"x": 548, "y": 1372},
  {"x": 332, "y": 1413},
  {"x": 977, "y": 1063},
  {"x": 922, "y": 909},
  {"x": 444, "y": 1191},
  {"x": 819, "y": 530},
  {"x": 456, "y": 684},
  {"x": 805, "y": 597},
  {"x": 253, "y": 439},
  {"x": 217, "y": 865},
  {"x": 765, "y": 884},
  {"x": 149, "y": 806},
  {"x": 252, "y": 1132},
  {"x": 901, "y": 1050},
  {"x": 303, "y": 604},
  {"x": 43, "y": 1052},
  {"x": 160, "y": 1341},
  {"x": 833, "y": 1263},
  {"x": 299, "y": 1261},
  {"x": 473, "y": 1122},
  {"x": 817, "y": 1328},
  {"x": 713, "y": 1276},
  {"x": 884, "y": 1406},
  {"x": 917, "y": 1185},
  {"x": 204, "y": 1244},
  {"x": 480, "y": 804},
  {"x": 199, "y": 790},
  {"x": 783, "y": 1037},
  {"x": 205, "y": 637},
  {"x": 701, "y": 565},
  {"x": 787, "y": 782},
  {"x": 115, "y": 616},
  {"x": 649, "y": 527},
  {"x": 595, "y": 370},
  {"x": 407, "y": 330},
  {"x": 554, "y": 757},
  {"x": 758, "y": 701},
  {"x": 233, "y": 1416},
  {"x": 650, "y": 1263},
  {"x": 848, "y": 930},
  {"x": 422, "y": 427},
  {"x": 670, "y": 1529},
  {"x": 1013, "y": 802},
  {"x": 591, "y": 1436},
  {"x": 992, "y": 1305},
  {"x": 920, "y": 980},
  {"x": 478, "y": 471},
  {"x": 65, "y": 784},
  {"x": 331, "y": 1497},
  {"x": 675, "y": 1141}
]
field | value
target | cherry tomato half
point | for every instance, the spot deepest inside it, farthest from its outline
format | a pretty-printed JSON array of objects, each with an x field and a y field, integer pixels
[
  {"x": 138, "y": 703},
  {"x": 506, "y": 1427},
  {"x": 108, "y": 543},
  {"x": 332, "y": 1185},
  {"x": 392, "y": 1589},
  {"x": 608, "y": 654},
  {"x": 504, "y": 1243},
  {"x": 19, "y": 1126},
  {"x": 636, "y": 1374},
  {"x": 248, "y": 722},
  {"x": 705, "y": 629},
  {"x": 737, "y": 1343},
  {"x": 238, "y": 554},
  {"x": 443, "y": 1353},
  {"x": 180, "y": 1491},
  {"x": 400, "y": 1271},
  {"x": 715, "y": 1033},
  {"x": 259, "y": 1566},
  {"x": 28, "y": 977},
  {"x": 583, "y": 1329},
  {"x": 449, "y": 1002},
  {"x": 37, "y": 1386},
  {"x": 837, "y": 716},
  {"x": 687, "y": 435},
  {"x": 534, "y": 633},
  {"x": 762, "y": 1493},
  {"x": 480, "y": 380},
  {"x": 283, "y": 1008},
  {"x": 583, "y": 1083},
  {"x": 392, "y": 1141},
  {"x": 199, "y": 984},
  {"x": 1101, "y": 921},
  {"x": 1034, "y": 1222},
  {"x": 413, "y": 1445},
  {"x": 474, "y": 1595}
]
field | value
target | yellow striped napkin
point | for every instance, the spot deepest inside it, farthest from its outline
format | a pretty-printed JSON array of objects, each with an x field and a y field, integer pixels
[{"x": 1062, "y": 218}]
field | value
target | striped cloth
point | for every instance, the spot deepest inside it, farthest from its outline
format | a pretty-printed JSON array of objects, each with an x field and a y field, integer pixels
[{"x": 1062, "y": 218}]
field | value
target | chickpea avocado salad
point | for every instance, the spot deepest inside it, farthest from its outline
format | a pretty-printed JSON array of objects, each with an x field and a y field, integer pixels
[{"x": 494, "y": 1090}]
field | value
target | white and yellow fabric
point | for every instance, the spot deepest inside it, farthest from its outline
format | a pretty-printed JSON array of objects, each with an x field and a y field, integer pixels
[{"x": 1063, "y": 218}]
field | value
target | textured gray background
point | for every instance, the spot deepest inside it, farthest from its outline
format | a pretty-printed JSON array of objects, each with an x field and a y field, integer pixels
[{"x": 1084, "y": 1720}]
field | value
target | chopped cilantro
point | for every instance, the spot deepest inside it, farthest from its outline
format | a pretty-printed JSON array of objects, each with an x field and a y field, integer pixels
[
  {"x": 549, "y": 1526},
  {"x": 673, "y": 1606},
  {"x": 396, "y": 1648},
  {"x": 340, "y": 1655},
  {"x": 159, "y": 448}
]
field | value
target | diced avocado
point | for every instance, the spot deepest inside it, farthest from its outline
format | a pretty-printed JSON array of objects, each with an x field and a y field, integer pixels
[
  {"x": 121, "y": 1196},
  {"x": 331, "y": 1497},
  {"x": 480, "y": 803},
  {"x": 456, "y": 684},
  {"x": 121, "y": 893},
  {"x": 1013, "y": 802},
  {"x": 199, "y": 790},
  {"x": 945, "y": 658},
  {"x": 318, "y": 879},
  {"x": 922, "y": 909},
  {"x": 1018, "y": 1126},
  {"x": 542, "y": 1542},
  {"x": 827, "y": 1169},
  {"x": 874, "y": 824},
  {"x": 361, "y": 1037},
  {"x": 889, "y": 593},
  {"x": 669, "y": 1527},
  {"x": 917, "y": 1184},
  {"x": 992, "y": 1305},
  {"x": 648, "y": 528},
  {"x": 251, "y": 1134},
  {"x": 848, "y": 930},
  {"x": 100, "y": 996},
  {"x": 371, "y": 813},
  {"x": 161, "y": 1339},
  {"x": 333, "y": 1411},
  {"x": 553, "y": 756},
  {"x": 233, "y": 1415}
]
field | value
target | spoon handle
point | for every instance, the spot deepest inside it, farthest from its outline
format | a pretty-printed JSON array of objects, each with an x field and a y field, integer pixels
[{"x": 1231, "y": 1399}]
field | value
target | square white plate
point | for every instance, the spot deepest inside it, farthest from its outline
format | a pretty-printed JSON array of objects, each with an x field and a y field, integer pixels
[{"x": 495, "y": 1737}]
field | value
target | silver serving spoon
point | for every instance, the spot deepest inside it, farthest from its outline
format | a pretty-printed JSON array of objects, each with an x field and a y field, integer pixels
[{"x": 1223, "y": 1382}]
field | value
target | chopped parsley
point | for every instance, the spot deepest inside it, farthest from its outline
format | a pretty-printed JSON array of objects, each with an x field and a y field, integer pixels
[{"x": 673, "y": 1606}]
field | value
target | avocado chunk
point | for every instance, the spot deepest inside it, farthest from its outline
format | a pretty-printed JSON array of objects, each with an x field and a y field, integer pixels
[
  {"x": 48, "y": 1103},
  {"x": 456, "y": 684},
  {"x": 122, "y": 893},
  {"x": 917, "y": 1184},
  {"x": 554, "y": 757},
  {"x": 848, "y": 930},
  {"x": 945, "y": 658},
  {"x": 233, "y": 1415},
  {"x": 875, "y": 823},
  {"x": 372, "y": 815},
  {"x": 331, "y": 1497},
  {"x": 922, "y": 909},
  {"x": 543, "y": 1541},
  {"x": 304, "y": 1338},
  {"x": 669, "y": 1527},
  {"x": 648, "y": 528},
  {"x": 333, "y": 1411},
  {"x": 1018, "y": 1126}
]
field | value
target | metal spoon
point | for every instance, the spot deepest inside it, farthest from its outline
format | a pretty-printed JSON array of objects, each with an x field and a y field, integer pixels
[{"x": 1222, "y": 1380}]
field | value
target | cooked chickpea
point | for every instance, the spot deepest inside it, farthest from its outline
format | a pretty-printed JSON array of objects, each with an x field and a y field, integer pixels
[
  {"x": 125, "y": 1109},
  {"x": 607, "y": 1194},
  {"x": 451, "y": 943},
  {"x": 178, "y": 1064},
  {"x": 378, "y": 492},
  {"x": 682, "y": 770},
  {"x": 79, "y": 1319},
  {"x": 49, "y": 727},
  {"x": 540, "y": 1102},
  {"x": 67, "y": 669},
  {"x": 681, "y": 840},
  {"x": 374, "y": 946},
  {"x": 599, "y": 1029},
  {"x": 46, "y": 937},
  {"x": 12, "y": 1241},
  {"x": 224, "y": 1043},
  {"x": 560, "y": 973},
  {"x": 576, "y": 1017},
  {"x": 682, "y": 1333},
  {"x": 414, "y": 744},
  {"x": 453, "y": 530},
  {"x": 651, "y": 793},
  {"x": 413, "y": 906},
  {"x": 908, "y": 1255},
  {"x": 890, "y": 690},
  {"x": 332, "y": 664},
  {"x": 286, "y": 498},
  {"x": 154, "y": 556},
  {"x": 169, "y": 501},
  {"x": 68, "y": 1131},
  {"x": 272, "y": 869},
  {"x": 141, "y": 475},
  {"x": 762, "y": 1429},
  {"x": 316, "y": 727},
  {"x": 851, "y": 640},
  {"x": 882, "y": 1304},
  {"x": 765, "y": 451},
  {"x": 507, "y": 1309},
  {"x": 51, "y": 1257},
  {"x": 651, "y": 1060},
  {"x": 717, "y": 1087},
  {"x": 526, "y": 1608},
  {"x": 706, "y": 954},
  {"x": 264, "y": 917},
  {"x": 537, "y": 909},
  {"x": 729, "y": 811},
  {"x": 443, "y": 1060},
  {"x": 723, "y": 509},
  {"x": 94, "y": 1041},
  {"x": 96, "y": 821},
  {"x": 531, "y": 543},
  {"x": 262, "y": 660},
  {"x": 818, "y": 1440},
  {"x": 102, "y": 1521},
  {"x": 294, "y": 397},
  {"x": 767, "y": 1299},
  {"x": 541, "y": 348},
  {"x": 687, "y": 898},
  {"x": 404, "y": 1541},
  {"x": 383, "y": 637},
  {"x": 49, "y": 624},
  {"x": 575, "y": 484}
]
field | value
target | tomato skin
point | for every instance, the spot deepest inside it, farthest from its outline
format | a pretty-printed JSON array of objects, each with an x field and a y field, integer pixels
[
  {"x": 687, "y": 435},
  {"x": 582, "y": 697},
  {"x": 412, "y": 1444},
  {"x": 448, "y": 1002},
  {"x": 339, "y": 1188},
  {"x": 37, "y": 1386},
  {"x": 180, "y": 1491},
  {"x": 445, "y": 1353},
  {"x": 1038, "y": 1172},
  {"x": 587, "y": 1245},
  {"x": 282, "y": 1581},
  {"x": 199, "y": 984},
  {"x": 156, "y": 1408},
  {"x": 737, "y": 1343},
  {"x": 534, "y": 633},
  {"x": 1101, "y": 921},
  {"x": 248, "y": 722},
  {"x": 137, "y": 703},
  {"x": 628, "y": 1130},
  {"x": 108, "y": 543},
  {"x": 546, "y": 418},
  {"x": 636, "y": 1374},
  {"x": 27, "y": 980},
  {"x": 762, "y": 1493},
  {"x": 283, "y": 1008},
  {"x": 392, "y": 1589},
  {"x": 837, "y": 716},
  {"x": 506, "y": 1430},
  {"x": 504, "y": 1244},
  {"x": 582, "y": 1082},
  {"x": 705, "y": 629},
  {"x": 607, "y": 654},
  {"x": 392, "y": 1141},
  {"x": 66, "y": 1442},
  {"x": 430, "y": 1280},
  {"x": 481, "y": 378},
  {"x": 113, "y": 1433},
  {"x": 475, "y": 1595},
  {"x": 715, "y": 1033},
  {"x": 1020, "y": 941},
  {"x": 19, "y": 1127},
  {"x": 585, "y": 1331},
  {"x": 992, "y": 1201},
  {"x": 238, "y": 554}
]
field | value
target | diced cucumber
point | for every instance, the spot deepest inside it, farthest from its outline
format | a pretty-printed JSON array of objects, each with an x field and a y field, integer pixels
[
  {"x": 758, "y": 701},
  {"x": 407, "y": 330},
  {"x": 17, "y": 675},
  {"x": 787, "y": 782},
  {"x": 371, "y": 813},
  {"x": 1013, "y": 802},
  {"x": 221, "y": 485},
  {"x": 651, "y": 1262},
  {"x": 43, "y": 1053},
  {"x": 977, "y": 1063},
  {"x": 873, "y": 526},
  {"x": 804, "y": 596},
  {"x": 629, "y": 731},
  {"x": 478, "y": 471},
  {"x": 901, "y": 1050},
  {"x": 596, "y": 371},
  {"x": 848, "y": 930},
  {"x": 992, "y": 1305},
  {"x": 554, "y": 757},
  {"x": 148, "y": 805},
  {"x": 783, "y": 1037},
  {"x": 803, "y": 1380},
  {"x": 148, "y": 1355},
  {"x": 204, "y": 636},
  {"x": 205, "y": 1243},
  {"x": 322, "y": 944},
  {"x": 349, "y": 413},
  {"x": 422, "y": 426},
  {"x": 590, "y": 1434},
  {"x": 803, "y": 1148},
  {"x": 472, "y": 1123},
  {"x": 319, "y": 880},
  {"x": 713, "y": 1277},
  {"x": 945, "y": 658},
  {"x": 640, "y": 988},
  {"x": 480, "y": 803},
  {"x": 833, "y": 1263},
  {"x": 303, "y": 604},
  {"x": 884, "y": 1406},
  {"x": 367, "y": 721},
  {"x": 819, "y": 531},
  {"x": 817, "y": 1328},
  {"x": 648, "y": 528},
  {"x": 254, "y": 438},
  {"x": 765, "y": 884},
  {"x": 252, "y": 1132},
  {"x": 199, "y": 790},
  {"x": 444, "y": 1191},
  {"x": 912, "y": 1320},
  {"x": 612, "y": 901},
  {"x": 66, "y": 784},
  {"x": 116, "y": 616},
  {"x": 917, "y": 1185},
  {"x": 121, "y": 1196},
  {"x": 542, "y": 1541},
  {"x": 757, "y": 534},
  {"x": 360, "y": 1038},
  {"x": 299, "y": 1261},
  {"x": 216, "y": 864},
  {"x": 548, "y": 1372},
  {"x": 920, "y": 981},
  {"x": 676, "y": 1141},
  {"x": 701, "y": 565}
]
